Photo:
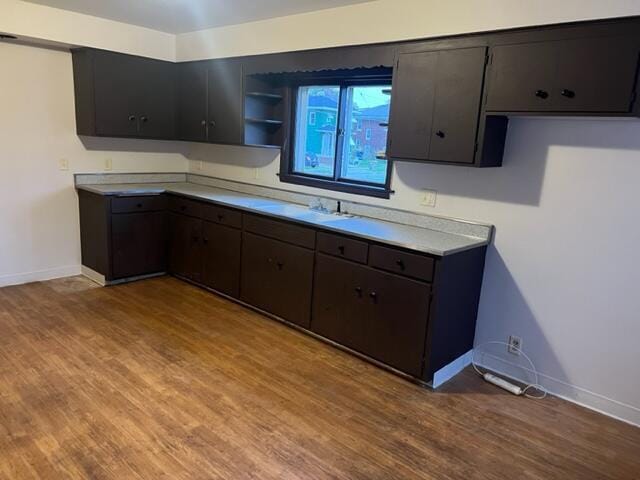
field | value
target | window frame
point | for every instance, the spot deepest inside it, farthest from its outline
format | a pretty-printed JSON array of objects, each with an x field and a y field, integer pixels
[{"x": 337, "y": 183}]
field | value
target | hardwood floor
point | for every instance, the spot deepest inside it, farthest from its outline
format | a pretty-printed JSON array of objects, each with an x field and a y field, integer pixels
[{"x": 162, "y": 380}]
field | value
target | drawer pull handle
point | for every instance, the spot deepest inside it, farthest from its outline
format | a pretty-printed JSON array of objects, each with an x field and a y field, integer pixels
[
  {"x": 400, "y": 264},
  {"x": 341, "y": 249},
  {"x": 567, "y": 93},
  {"x": 542, "y": 94}
]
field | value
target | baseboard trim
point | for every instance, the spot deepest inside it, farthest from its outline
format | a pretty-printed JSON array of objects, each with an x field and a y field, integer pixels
[
  {"x": 39, "y": 276},
  {"x": 566, "y": 391},
  {"x": 447, "y": 372}
]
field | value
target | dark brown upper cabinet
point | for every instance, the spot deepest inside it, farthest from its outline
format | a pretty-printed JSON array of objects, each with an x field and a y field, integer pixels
[
  {"x": 578, "y": 76},
  {"x": 123, "y": 96},
  {"x": 209, "y": 102},
  {"x": 435, "y": 105}
]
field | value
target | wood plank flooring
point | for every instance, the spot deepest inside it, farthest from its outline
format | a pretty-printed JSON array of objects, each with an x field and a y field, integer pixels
[{"x": 161, "y": 380}]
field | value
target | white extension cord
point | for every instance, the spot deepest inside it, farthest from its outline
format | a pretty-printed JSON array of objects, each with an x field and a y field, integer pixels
[{"x": 504, "y": 384}]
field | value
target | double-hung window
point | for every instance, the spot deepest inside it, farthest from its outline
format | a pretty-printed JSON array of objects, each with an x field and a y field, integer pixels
[{"x": 344, "y": 147}]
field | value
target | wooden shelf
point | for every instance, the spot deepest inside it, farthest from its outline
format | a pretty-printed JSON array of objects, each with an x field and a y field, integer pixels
[
  {"x": 258, "y": 145},
  {"x": 264, "y": 95},
  {"x": 264, "y": 121}
]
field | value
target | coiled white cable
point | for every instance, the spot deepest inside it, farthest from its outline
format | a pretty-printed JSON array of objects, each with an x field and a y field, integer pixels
[{"x": 535, "y": 386}]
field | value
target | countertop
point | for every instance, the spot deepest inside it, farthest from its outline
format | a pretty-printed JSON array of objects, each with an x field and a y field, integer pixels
[{"x": 414, "y": 238}]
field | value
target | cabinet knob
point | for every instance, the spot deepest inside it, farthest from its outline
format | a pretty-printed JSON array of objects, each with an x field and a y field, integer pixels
[
  {"x": 542, "y": 94},
  {"x": 400, "y": 264},
  {"x": 567, "y": 93},
  {"x": 144, "y": 119},
  {"x": 132, "y": 118},
  {"x": 440, "y": 134}
]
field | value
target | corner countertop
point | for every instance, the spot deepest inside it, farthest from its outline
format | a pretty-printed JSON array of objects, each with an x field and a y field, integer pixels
[{"x": 414, "y": 238}]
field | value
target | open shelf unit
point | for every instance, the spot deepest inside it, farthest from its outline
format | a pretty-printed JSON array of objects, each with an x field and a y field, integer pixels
[{"x": 264, "y": 112}]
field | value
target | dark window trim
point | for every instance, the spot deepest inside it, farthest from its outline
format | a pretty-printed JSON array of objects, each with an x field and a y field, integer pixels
[{"x": 287, "y": 175}]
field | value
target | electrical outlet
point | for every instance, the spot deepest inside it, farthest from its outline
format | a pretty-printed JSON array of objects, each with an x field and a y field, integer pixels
[
  {"x": 429, "y": 198},
  {"x": 108, "y": 164},
  {"x": 63, "y": 164},
  {"x": 515, "y": 345}
]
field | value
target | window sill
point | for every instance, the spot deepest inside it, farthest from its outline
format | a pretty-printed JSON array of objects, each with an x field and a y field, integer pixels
[{"x": 353, "y": 188}]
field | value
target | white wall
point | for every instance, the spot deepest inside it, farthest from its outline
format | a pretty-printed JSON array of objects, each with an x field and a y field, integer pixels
[
  {"x": 39, "y": 233},
  {"x": 389, "y": 20},
  {"x": 60, "y": 26},
  {"x": 564, "y": 263}
]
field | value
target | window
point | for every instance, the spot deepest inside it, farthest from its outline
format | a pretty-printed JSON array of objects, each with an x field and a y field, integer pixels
[{"x": 342, "y": 145}]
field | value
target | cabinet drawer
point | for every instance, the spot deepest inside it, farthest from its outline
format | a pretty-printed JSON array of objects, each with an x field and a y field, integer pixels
[
  {"x": 343, "y": 247},
  {"x": 402, "y": 263},
  {"x": 305, "y": 237},
  {"x": 143, "y": 203},
  {"x": 222, "y": 215},
  {"x": 185, "y": 206}
]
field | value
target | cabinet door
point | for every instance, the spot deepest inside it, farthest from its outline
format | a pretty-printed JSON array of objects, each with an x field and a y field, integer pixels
[
  {"x": 225, "y": 102},
  {"x": 157, "y": 99},
  {"x": 185, "y": 247},
  {"x": 221, "y": 258},
  {"x": 192, "y": 101},
  {"x": 596, "y": 75},
  {"x": 398, "y": 313},
  {"x": 277, "y": 278},
  {"x": 413, "y": 91},
  {"x": 116, "y": 94},
  {"x": 139, "y": 244},
  {"x": 339, "y": 304},
  {"x": 522, "y": 77},
  {"x": 459, "y": 80}
]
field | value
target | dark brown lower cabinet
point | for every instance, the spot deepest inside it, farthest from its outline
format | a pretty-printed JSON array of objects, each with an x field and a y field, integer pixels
[
  {"x": 139, "y": 243},
  {"x": 406, "y": 309},
  {"x": 339, "y": 302},
  {"x": 398, "y": 313},
  {"x": 185, "y": 246},
  {"x": 221, "y": 258},
  {"x": 379, "y": 314},
  {"x": 277, "y": 277}
]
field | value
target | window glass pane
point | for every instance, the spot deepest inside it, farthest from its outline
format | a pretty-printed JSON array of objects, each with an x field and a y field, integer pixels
[
  {"x": 316, "y": 130},
  {"x": 366, "y": 117}
]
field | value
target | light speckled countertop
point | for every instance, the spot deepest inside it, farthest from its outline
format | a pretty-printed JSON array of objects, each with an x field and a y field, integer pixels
[{"x": 406, "y": 236}]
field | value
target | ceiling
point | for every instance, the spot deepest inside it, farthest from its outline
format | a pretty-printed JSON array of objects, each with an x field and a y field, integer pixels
[{"x": 180, "y": 16}]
